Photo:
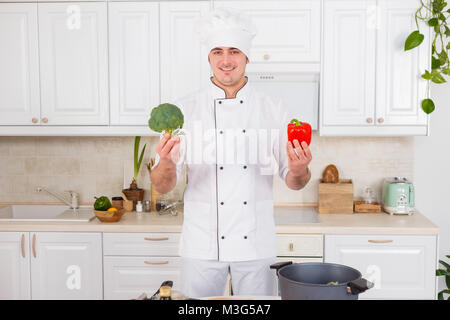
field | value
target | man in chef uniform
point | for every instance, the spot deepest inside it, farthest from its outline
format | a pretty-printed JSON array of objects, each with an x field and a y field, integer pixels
[{"x": 228, "y": 223}]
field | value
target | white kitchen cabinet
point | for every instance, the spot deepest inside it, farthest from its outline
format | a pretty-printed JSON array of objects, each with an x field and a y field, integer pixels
[
  {"x": 14, "y": 266},
  {"x": 19, "y": 64},
  {"x": 370, "y": 85},
  {"x": 401, "y": 267},
  {"x": 127, "y": 277},
  {"x": 73, "y": 56},
  {"x": 133, "y": 61},
  {"x": 66, "y": 265},
  {"x": 136, "y": 263},
  {"x": 348, "y": 73},
  {"x": 184, "y": 61},
  {"x": 400, "y": 88},
  {"x": 287, "y": 31}
]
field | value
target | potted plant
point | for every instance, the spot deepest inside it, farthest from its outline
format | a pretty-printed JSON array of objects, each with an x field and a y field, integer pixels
[
  {"x": 133, "y": 192},
  {"x": 446, "y": 273}
]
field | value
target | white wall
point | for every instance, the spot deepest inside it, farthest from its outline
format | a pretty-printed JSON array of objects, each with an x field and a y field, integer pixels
[{"x": 432, "y": 169}]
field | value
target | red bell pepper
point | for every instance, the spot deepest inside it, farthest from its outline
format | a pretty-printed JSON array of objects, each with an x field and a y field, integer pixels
[{"x": 300, "y": 131}]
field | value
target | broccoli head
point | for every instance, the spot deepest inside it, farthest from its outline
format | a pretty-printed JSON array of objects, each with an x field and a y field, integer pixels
[{"x": 166, "y": 118}]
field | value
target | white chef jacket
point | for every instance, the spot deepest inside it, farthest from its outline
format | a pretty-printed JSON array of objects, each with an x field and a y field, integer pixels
[{"x": 232, "y": 148}]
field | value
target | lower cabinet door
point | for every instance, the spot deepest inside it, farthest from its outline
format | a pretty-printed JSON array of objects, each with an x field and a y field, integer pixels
[
  {"x": 66, "y": 265},
  {"x": 401, "y": 267},
  {"x": 129, "y": 277},
  {"x": 14, "y": 266}
]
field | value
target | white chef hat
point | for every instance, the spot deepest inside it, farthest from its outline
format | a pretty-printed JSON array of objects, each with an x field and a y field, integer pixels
[{"x": 226, "y": 27}]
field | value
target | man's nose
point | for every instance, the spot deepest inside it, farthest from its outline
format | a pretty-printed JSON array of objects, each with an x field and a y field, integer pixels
[{"x": 226, "y": 58}]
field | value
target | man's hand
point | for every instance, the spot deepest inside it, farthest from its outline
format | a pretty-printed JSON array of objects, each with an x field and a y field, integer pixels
[
  {"x": 299, "y": 157},
  {"x": 164, "y": 176},
  {"x": 169, "y": 148}
]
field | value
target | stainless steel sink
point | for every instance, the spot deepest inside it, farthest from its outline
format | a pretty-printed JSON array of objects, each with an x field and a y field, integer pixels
[
  {"x": 47, "y": 213},
  {"x": 295, "y": 216}
]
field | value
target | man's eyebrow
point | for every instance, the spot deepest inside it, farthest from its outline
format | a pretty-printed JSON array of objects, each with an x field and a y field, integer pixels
[{"x": 217, "y": 48}]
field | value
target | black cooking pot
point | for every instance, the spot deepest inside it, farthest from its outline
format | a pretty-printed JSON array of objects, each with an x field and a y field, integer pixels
[{"x": 319, "y": 281}]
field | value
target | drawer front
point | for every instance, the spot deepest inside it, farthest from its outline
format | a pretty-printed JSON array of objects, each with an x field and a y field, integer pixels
[
  {"x": 129, "y": 277},
  {"x": 401, "y": 267},
  {"x": 141, "y": 244},
  {"x": 301, "y": 245}
]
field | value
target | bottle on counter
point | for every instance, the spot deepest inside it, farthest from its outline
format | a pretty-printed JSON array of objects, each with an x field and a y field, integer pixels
[{"x": 139, "y": 206}]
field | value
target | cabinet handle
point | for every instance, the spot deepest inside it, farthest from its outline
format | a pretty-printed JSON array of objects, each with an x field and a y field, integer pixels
[
  {"x": 156, "y": 262},
  {"x": 34, "y": 245},
  {"x": 34, "y": 120},
  {"x": 22, "y": 244},
  {"x": 266, "y": 57},
  {"x": 291, "y": 246},
  {"x": 156, "y": 239},
  {"x": 369, "y": 120},
  {"x": 380, "y": 241},
  {"x": 380, "y": 120},
  {"x": 44, "y": 120}
]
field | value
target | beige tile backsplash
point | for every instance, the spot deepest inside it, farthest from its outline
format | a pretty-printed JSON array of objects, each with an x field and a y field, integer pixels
[{"x": 95, "y": 166}]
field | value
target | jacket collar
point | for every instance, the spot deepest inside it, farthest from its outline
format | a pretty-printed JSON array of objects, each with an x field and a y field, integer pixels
[{"x": 218, "y": 93}]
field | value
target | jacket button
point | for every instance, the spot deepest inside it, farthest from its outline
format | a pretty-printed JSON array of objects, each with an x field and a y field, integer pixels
[
  {"x": 245, "y": 202},
  {"x": 221, "y": 203},
  {"x": 223, "y": 237},
  {"x": 242, "y": 101},
  {"x": 221, "y": 132},
  {"x": 243, "y": 131},
  {"x": 221, "y": 168},
  {"x": 245, "y": 167},
  {"x": 220, "y": 102},
  {"x": 245, "y": 237}
]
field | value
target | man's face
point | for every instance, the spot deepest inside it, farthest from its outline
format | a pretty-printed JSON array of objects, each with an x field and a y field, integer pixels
[{"x": 228, "y": 65}]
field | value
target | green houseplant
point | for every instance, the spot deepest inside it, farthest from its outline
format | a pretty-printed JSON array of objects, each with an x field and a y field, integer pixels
[
  {"x": 444, "y": 273},
  {"x": 134, "y": 193},
  {"x": 435, "y": 15}
]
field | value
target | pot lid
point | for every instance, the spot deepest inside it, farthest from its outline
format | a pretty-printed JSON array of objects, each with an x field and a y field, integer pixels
[{"x": 397, "y": 180}]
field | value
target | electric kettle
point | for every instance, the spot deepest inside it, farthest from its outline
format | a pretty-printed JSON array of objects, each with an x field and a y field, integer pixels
[{"x": 397, "y": 196}]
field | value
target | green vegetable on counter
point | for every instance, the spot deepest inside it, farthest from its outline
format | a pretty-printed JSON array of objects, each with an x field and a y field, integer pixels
[
  {"x": 102, "y": 203},
  {"x": 166, "y": 118}
]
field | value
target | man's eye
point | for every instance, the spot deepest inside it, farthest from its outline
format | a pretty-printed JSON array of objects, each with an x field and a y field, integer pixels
[
  {"x": 235, "y": 51},
  {"x": 216, "y": 52}
]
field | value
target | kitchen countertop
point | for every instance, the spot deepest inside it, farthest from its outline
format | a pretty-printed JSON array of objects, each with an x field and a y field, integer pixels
[{"x": 380, "y": 223}]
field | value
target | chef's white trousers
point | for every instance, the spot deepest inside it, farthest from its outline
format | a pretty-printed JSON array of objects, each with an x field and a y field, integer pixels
[{"x": 206, "y": 278}]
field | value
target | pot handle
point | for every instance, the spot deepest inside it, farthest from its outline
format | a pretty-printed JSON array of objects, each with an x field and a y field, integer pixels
[
  {"x": 277, "y": 266},
  {"x": 359, "y": 286}
]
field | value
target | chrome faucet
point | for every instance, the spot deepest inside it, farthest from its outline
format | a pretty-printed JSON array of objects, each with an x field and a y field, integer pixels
[{"x": 73, "y": 203}]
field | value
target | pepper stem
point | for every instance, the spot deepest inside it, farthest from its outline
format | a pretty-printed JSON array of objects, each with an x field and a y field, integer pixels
[{"x": 297, "y": 123}]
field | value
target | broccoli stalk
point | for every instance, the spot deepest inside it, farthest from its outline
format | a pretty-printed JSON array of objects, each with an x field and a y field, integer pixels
[{"x": 166, "y": 118}]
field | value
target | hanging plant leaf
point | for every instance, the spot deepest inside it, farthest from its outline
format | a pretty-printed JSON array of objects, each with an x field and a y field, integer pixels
[
  {"x": 427, "y": 75},
  {"x": 413, "y": 40},
  {"x": 433, "y": 22},
  {"x": 435, "y": 63},
  {"x": 446, "y": 71},
  {"x": 428, "y": 106},
  {"x": 436, "y": 77},
  {"x": 443, "y": 57},
  {"x": 447, "y": 31}
]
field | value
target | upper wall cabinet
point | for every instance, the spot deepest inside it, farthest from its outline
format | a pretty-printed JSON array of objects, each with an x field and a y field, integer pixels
[
  {"x": 287, "y": 31},
  {"x": 184, "y": 61},
  {"x": 370, "y": 85},
  {"x": 133, "y": 61},
  {"x": 19, "y": 64},
  {"x": 73, "y": 63}
]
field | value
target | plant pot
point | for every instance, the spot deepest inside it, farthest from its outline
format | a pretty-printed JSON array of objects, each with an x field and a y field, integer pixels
[{"x": 134, "y": 193}]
